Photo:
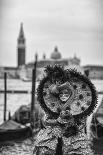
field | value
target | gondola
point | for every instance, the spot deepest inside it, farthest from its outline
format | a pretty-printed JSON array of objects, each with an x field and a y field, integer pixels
[
  {"x": 97, "y": 132},
  {"x": 11, "y": 131},
  {"x": 97, "y": 126},
  {"x": 97, "y": 123}
]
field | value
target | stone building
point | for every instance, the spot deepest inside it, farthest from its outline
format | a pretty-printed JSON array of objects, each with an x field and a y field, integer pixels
[
  {"x": 11, "y": 72},
  {"x": 55, "y": 58},
  {"x": 24, "y": 70},
  {"x": 94, "y": 72}
]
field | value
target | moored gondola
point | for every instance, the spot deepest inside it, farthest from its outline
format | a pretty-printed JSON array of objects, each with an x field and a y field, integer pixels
[
  {"x": 11, "y": 131},
  {"x": 97, "y": 129}
]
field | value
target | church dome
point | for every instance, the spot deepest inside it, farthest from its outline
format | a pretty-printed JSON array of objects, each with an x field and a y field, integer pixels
[{"x": 55, "y": 54}]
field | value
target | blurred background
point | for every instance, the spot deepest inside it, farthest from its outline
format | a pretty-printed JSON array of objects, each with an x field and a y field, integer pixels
[{"x": 64, "y": 32}]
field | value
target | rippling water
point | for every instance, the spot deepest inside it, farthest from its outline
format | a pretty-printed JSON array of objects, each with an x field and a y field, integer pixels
[
  {"x": 13, "y": 103},
  {"x": 18, "y": 148},
  {"x": 14, "y": 100}
]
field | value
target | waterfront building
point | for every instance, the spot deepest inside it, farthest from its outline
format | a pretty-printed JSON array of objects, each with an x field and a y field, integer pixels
[
  {"x": 94, "y": 71},
  {"x": 24, "y": 70},
  {"x": 55, "y": 58},
  {"x": 12, "y": 72}
]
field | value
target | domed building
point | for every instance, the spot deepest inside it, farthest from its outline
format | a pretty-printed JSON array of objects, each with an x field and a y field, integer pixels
[
  {"x": 25, "y": 69},
  {"x": 55, "y": 58},
  {"x": 55, "y": 54}
]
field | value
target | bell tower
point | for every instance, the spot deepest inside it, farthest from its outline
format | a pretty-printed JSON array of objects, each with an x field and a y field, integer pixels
[{"x": 21, "y": 47}]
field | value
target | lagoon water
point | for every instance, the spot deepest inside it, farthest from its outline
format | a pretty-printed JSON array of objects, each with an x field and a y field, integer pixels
[
  {"x": 14, "y": 100},
  {"x": 13, "y": 103}
]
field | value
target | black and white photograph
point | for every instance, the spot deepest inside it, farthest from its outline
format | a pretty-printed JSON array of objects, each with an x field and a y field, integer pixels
[{"x": 51, "y": 77}]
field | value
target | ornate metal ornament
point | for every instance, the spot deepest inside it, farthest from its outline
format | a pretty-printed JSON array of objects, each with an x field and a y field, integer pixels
[{"x": 66, "y": 90}]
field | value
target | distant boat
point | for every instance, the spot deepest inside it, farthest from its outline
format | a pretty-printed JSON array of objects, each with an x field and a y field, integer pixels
[
  {"x": 11, "y": 131},
  {"x": 25, "y": 79},
  {"x": 23, "y": 74}
]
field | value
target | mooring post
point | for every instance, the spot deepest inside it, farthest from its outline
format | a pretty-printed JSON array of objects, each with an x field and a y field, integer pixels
[
  {"x": 5, "y": 95},
  {"x": 33, "y": 92}
]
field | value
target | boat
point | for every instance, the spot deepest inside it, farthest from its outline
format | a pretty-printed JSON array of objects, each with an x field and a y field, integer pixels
[
  {"x": 23, "y": 74},
  {"x": 97, "y": 126},
  {"x": 97, "y": 129},
  {"x": 23, "y": 115},
  {"x": 11, "y": 131},
  {"x": 97, "y": 123},
  {"x": 25, "y": 79}
]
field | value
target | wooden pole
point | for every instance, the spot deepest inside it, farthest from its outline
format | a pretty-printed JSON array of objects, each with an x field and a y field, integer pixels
[
  {"x": 5, "y": 95},
  {"x": 33, "y": 92}
]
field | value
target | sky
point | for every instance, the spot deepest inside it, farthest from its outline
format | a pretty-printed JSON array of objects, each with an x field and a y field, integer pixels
[{"x": 75, "y": 26}]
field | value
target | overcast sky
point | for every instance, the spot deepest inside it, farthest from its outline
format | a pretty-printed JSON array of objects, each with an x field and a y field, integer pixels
[{"x": 75, "y": 26}]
